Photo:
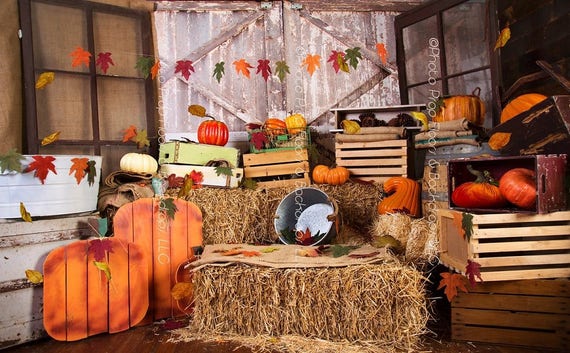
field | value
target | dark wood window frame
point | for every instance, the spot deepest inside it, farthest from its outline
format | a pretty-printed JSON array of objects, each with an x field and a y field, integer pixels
[{"x": 32, "y": 140}]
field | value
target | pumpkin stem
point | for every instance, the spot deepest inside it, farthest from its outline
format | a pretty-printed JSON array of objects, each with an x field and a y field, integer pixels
[{"x": 482, "y": 177}]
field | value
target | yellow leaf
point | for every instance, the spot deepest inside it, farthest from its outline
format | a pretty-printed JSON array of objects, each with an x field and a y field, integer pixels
[
  {"x": 34, "y": 276},
  {"x": 44, "y": 79},
  {"x": 504, "y": 37},
  {"x": 141, "y": 139},
  {"x": 197, "y": 110},
  {"x": 24, "y": 213},
  {"x": 269, "y": 249},
  {"x": 309, "y": 252},
  {"x": 51, "y": 138},
  {"x": 103, "y": 266},
  {"x": 182, "y": 290}
]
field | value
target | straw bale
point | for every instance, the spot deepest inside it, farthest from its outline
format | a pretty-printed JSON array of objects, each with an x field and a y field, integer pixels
[{"x": 383, "y": 303}]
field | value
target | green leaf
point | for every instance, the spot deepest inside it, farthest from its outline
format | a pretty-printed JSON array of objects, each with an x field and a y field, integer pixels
[
  {"x": 341, "y": 250},
  {"x": 219, "y": 71},
  {"x": 249, "y": 183},
  {"x": 144, "y": 64},
  {"x": 167, "y": 206},
  {"x": 221, "y": 170},
  {"x": 103, "y": 266},
  {"x": 91, "y": 172},
  {"x": 353, "y": 56},
  {"x": 269, "y": 249},
  {"x": 467, "y": 224},
  {"x": 281, "y": 68},
  {"x": 11, "y": 161},
  {"x": 102, "y": 226}
]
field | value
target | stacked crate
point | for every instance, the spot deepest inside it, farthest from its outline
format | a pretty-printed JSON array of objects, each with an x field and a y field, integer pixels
[{"x": 278, "y": 168}]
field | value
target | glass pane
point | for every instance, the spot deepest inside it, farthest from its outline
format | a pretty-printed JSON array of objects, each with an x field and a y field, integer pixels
[
  {"x": 427, "y": 94},
  {"x": 65, "y": 105},
  {"x": 422, "y": 51},
  {"x": 112, "y": 157},
  {"x": 468, "y": 84},
  {"x": 57, "y": 32},
  {"x": 121, "y": 104},
  {"x": 466, "y": 45},
  {"x": 123, "y": 42},
  {"x": 66, "y": 150}
]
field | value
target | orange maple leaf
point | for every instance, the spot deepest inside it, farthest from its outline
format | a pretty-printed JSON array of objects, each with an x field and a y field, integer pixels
[
  {"x": 129, "y": 133},
  {"x": 80, "y": 56},
  {"x": 458, "y": 223},
  {"x": 312, "y": 62},
  {"x": 79, "y": 166},
  {"x": 250, "y": 253},
  {"x": 452, "y": 282},
  {"x": 242, "y": 67},
  {"x": 154, "y": 69},
  {"x": 382, "y": 52}
]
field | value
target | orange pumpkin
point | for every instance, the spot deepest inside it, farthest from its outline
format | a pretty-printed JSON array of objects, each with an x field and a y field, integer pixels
[
  {"x": 470, "y": 107},
  {"x": 521, "y": 104},
  {"x": 403, "y": 196},
  {"x": 323, "y": 174},
  {"x": 274, "y": 127}
]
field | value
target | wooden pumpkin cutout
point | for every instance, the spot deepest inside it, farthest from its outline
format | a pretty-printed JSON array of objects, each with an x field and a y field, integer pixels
[
  {"x": 79, "y": 300},
  {"x": 166, "y": 242}
]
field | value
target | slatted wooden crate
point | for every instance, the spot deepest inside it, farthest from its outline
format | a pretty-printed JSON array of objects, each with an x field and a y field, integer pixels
[
  {"x": 278, "y": 169},
  {"x": 507, "y": 246},
  {"x": 373, "y": 161},
  {"x": 532, "y": 313}
]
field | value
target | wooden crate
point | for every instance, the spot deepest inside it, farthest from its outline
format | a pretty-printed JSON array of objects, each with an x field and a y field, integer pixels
[
  {"x": 507, "y": 246},
  {"x": 373, "y": 161},
  {"x": 533, "y": 313},
  {"x": 278, "y": 169}
]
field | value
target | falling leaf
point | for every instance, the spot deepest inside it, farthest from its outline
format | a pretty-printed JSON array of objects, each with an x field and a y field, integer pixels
[
  {"x": 34, "y": 276},
  {"x": 103, "y": 61},
  {"x": 24, "y": 213},
  {"x": 144, "y": 65},
  {"x": 263, "y": 68},
  {"x": 141, "y": 139},
  {"x": 80, "y": 56},
  {"x": 100, "y": 247},
  {"x": 242, "y": 67},
  {"x": 269, "y": 249},
  {"x": 154, "y": 70},
  {"x": 312, "y": 62},
  {"x": 184, "y": 67},
  {"x": 91, "y": 172},
  {"x": 452, "y": 282},
  {"x": 308, "y": 252},
  {"x": 168, "y": 207},
  {"x": 353, "y": 56},
  {"x": 382, "y": 53},
  {"x": 44, "y": 79},
  {"x": 103, "y": 266},
  {"x": 281, "y": 69},
  {"x": 182, "y": 290},
  {"x": 41, "y": 166},
  {"x": 79, "y": 166},
  {"x": 219, "y": 71},
  {"x": 503, "y": 38},
  {"x": 51, "y": 138},
  {"x": 197, "y": 110},
  {"x": 174, "y": 181},
  {"x": 11, "y": 161},
  {"x": 473, "y": 271},
  {"x": 129, "y": 133}
]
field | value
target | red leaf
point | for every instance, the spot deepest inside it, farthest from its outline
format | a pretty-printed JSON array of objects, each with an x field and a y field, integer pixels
[
  {"x": 41, "y": 167},
  {"x": 303, "y": 237},
  {"x": 103, "y": 61},
  {"x": 129, "y": 133},
  {"x": 334, "y": 58},
  {"x": 382, "y": 52},
  {"x": 197, "y": 179},
  {"x": 185, "y": 68},
  {"x": 473, "y": 271},
  {"x": 174, "y": 181},
  {"x": 98, "y": 247},
  {"x": 259, "y": 140},
  {"x": 263, "y": 67}
]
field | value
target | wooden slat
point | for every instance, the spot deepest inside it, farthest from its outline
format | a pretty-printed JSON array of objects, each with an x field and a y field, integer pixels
[
  {"x": 138, "y": 276},
  {"x": 481, "y": 248},
  {"x": 255, "y": 159},
  {"x": 76, "y": 290},
  {"x": 370, "y": 144},
  {"x": 372, "y": 161},
  {"x": 298, "y": 182},
  {"x": 342, "y": 154},
  {"x": 55, "y": 309},
  {"x": 276, "y": 169},
  {"x": 507, "y": 336},
  {"x": 502, "y": 318},
  {"x": 544, "y": 287},
  {"x": 508, "y": 302},
  {"x": 97, "y": 298},
  {"x": 513, "y": 275},
  {"x": 118, "y": 311},
  {"x": 394, "y": 171},
  {"x": 530, "y": 231},
  {"x": 524, "y": 260}
]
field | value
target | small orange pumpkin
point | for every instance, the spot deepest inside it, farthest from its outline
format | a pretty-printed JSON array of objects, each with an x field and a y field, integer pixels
[
  {"x": 520, "y": 104},
  {"x": 335, "y": 175},
  {"x": 274, "y": 127},
  {"x": 470, "y": 107}
]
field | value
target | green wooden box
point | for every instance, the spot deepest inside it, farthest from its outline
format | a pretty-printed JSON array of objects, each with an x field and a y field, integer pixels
[{"x": 195, "y": 153}]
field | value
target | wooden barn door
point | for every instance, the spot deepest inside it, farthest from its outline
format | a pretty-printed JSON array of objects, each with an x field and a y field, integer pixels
[{"x": 208, "y": 33}]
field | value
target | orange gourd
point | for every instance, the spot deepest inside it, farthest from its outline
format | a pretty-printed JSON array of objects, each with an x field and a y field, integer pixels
[
  {"x": 520, "y": 104},
  {"x": 403, "y": 197},
  {"x": 323, "y": 174},
  {"x": 470, "y": 107},
  {"x": 274, "y": 127}
]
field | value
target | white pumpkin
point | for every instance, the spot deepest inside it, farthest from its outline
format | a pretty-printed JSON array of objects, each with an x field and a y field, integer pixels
[{"x": 138, "y": 163}]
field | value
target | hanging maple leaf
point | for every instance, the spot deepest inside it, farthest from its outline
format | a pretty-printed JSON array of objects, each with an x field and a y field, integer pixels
[
  {"x": 129, "y": 133},
  {"x": 11, "y": 161},
  {"x": 34, "y": 276},
  {"x": 467, "y": 224},
  {"x": 41, "y": 166},
  {"x": 242, "y": 67},
  {"x": 80, "y": 56},
  {"x": 263, "y": 67},
  {"x": 79, "y": 166},
  {"x": 185, "y": 68},
  {"x": 24, "y": 213},
  {"x": 100, "y": 247},
  {"x": 219, "y": 71},
  {"x": 312, "y": 62},
  {"x": 44, "y": 79},
  {"x": 259, "y": 140},
  {"x": 103, "y": 266},
  {"x": 174, "y": 181},
  {"x": 154, "y": 70},
  {"x": 281, "y": 69},
  {"x": 144, "y": 64},
  {"x": 51, "y": 138},
  {"x": 503, "y": 38},
  {"x": 452, "y": 282},
  {"x": 91, "y": 172},
  {"x": 168, "y": 207},
  {"x": 473, "y": 272},
  {"x": 353, "y": 56},
  {"x": 141, "y": 139},
  {"x": 382, "y": 52},
  {"x": 338, "y": 61},
  {"x": 103, "y": 61}
]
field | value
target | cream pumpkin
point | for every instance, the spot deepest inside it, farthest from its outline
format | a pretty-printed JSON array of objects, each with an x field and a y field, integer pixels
[{"x": 138, "y": 163}]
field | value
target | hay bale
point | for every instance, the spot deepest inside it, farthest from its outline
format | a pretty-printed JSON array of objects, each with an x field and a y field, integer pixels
[{"x": 383, "y": 303}]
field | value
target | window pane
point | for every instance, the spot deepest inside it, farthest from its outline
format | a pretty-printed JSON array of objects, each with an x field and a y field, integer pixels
[
  {"x": 112, "y": 156},
  {"x": 427, "y": 94},
  {"x": 464, "y": 37},
  {"x": 468, "y": 84},
  {"x": 66, "y": 150},
  {"x": 421, "y": 51},
  {"x": 65, "y": 107},
  {"x": 123, "y": 42},
  {"x": 58, "y": 31}
]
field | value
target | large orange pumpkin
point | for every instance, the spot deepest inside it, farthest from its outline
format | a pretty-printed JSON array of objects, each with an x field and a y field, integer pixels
[
  {"x": 520, "y": 104},
  {"x": 323, "y": 174},
  {"x": 470, "y": 107},
  {"x": 403, "y": 196}
]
